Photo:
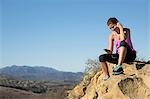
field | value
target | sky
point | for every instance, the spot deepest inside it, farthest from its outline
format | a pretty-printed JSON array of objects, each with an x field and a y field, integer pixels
[{"x": 63, "y": 34}]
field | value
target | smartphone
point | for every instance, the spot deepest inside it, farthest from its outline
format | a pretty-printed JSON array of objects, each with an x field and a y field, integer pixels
[{"x": 107, "y": 50}]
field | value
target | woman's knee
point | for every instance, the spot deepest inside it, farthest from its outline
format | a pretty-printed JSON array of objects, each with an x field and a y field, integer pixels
[
  {"x": 124, "y": 44},
  {"x": 102, "y": 58}
]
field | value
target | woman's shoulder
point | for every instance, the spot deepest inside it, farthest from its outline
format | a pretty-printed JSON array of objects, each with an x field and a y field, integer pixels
[{"x": 112, "y": 35}]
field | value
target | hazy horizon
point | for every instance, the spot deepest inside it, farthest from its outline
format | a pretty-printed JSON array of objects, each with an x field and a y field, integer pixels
[
  {"x": 42, "y": 67},
  {"x": 64, "y": 34}
]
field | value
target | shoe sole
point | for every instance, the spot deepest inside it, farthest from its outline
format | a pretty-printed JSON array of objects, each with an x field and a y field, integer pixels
[
  {"x": 106, "y": 78},
  {"x": 117, "y": 73},
  {"x": 119, "y": 69}
]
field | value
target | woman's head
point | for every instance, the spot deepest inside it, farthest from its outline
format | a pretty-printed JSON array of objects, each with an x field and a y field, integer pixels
[
  {"x": 112, "y": 24},
  {"x": 112, "y": 20}
]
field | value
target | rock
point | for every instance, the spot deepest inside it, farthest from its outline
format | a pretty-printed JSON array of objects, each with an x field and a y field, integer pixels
[
  {"x": 78, "y": 92},
  {"x": 133, "y": 84}
]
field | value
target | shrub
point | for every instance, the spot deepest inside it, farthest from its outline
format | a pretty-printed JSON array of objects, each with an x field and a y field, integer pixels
[{"x": 92, "y": 66}]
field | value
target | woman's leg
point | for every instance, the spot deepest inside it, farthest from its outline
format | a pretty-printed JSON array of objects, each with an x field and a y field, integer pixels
[
  {"x": 122, "y": 54},
  {"x": 112, "y": 58},
  {"x": 105, "y": 68},
  {"x": 103, "y": 64}
]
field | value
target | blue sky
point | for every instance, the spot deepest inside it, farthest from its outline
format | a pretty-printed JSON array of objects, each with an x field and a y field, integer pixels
[{"x": 63, "y": 34}]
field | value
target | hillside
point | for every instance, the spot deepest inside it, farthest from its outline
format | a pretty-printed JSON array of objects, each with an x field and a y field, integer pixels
[
  {"x": 26, "y": 82},
  {"x": 14, "y": 88},
  {"x": 39, "y": 73},
  {"x": 133, "y": 84}
]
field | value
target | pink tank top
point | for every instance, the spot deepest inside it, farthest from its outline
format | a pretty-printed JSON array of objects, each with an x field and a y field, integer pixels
[{"x": 128, "y": 40}]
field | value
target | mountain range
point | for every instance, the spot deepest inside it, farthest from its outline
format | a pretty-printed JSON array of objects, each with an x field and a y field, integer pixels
[{"x": 40, "y": 73}]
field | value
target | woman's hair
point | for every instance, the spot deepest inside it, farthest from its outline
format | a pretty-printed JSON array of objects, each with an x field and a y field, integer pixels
[{"x": 112, "y": 20}]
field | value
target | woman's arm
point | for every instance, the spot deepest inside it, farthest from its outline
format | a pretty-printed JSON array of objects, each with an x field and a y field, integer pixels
[
  {"x": 111, "y": 43},
  {"x": 122, "y": 35}
]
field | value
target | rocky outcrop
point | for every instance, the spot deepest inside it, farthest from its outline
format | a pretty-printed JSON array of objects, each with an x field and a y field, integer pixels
[{"x": 133, "y": 84}]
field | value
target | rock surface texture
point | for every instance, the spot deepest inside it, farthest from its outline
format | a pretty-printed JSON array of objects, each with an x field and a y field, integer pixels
[{"x": 133, "y": 84}]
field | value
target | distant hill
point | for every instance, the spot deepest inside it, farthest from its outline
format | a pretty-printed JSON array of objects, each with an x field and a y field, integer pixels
[{"x": 39, "y": 73}]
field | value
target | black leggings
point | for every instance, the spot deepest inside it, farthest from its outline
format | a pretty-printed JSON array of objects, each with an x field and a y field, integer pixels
[{"x": 113, "y": 58}]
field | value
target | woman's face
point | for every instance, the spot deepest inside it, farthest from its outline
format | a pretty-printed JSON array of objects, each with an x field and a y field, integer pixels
[{"x": 114, "y": 27}]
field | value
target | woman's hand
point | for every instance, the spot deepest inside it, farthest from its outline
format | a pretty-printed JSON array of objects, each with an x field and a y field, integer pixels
[
  {"x": 119, "y": 25},
  {"x": 108, "y": 51},
  {"x": 122, "y": 35}
]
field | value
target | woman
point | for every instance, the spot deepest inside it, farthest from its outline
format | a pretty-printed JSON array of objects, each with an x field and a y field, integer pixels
[{"x": 124, "y": 49}]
